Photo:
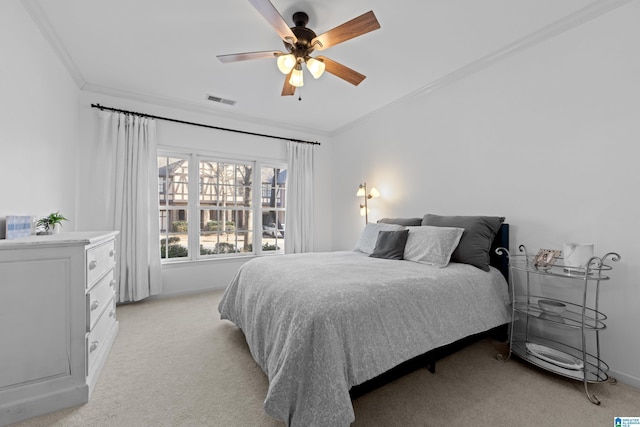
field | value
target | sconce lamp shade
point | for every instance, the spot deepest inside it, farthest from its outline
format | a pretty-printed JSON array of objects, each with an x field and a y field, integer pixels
[
  {"x": 296, "y": 77},
  {"x": 362, "y": 192},
  {"x": 286, "y": 63},
  {"x": 315, "y": 67}
]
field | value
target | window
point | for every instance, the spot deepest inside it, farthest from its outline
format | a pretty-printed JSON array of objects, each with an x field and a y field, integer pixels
[
  {"x": 226, "y": 207},
  {"x": 173, "y": 173},
  {"x": 273, "y": 185},
  {"x": 234, "y": 199}
]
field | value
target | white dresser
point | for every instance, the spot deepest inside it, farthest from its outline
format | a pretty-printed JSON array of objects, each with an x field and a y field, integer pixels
[{"x": 57, "y": 320}]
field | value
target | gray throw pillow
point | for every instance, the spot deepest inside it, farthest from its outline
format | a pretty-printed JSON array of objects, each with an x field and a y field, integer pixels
[
  {"x": 407, "y": 222},
  {"x": 475, "y": 244},
  {"x": 390, "y": 244},
  {"x": 367, "y": 241}
]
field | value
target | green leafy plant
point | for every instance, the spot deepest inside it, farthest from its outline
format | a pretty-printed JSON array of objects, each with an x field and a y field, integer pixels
[
  {"x": 270, "y": 247},
  {"x": 224, "y": 248},
  {"x": 180, "y": 226},
  {"x": 50, "y": 221},
  {"x": 174, "y": 249}
]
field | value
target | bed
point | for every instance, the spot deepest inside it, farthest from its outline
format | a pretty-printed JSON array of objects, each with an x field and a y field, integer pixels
[{"x": 319, "y": 324}]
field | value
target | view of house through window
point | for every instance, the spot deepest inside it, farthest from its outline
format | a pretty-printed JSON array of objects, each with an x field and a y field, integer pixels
[
  {"x": 234, "y": 198},
  {"x": 274, "y": 181},
  {"x": 225, "y": 208},
  {"x": 173, "y": 189}
]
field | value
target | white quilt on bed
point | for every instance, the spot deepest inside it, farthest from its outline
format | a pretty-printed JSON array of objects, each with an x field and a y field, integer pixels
[{"x": 321, "y": 323}]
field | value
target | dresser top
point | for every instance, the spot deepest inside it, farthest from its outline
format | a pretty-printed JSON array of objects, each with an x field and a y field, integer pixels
[{"x": 73, "y": 237}]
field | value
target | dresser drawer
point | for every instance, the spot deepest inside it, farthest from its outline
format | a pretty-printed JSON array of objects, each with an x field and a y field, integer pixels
[
  {"x": 98, "y": 338},
  {"x": 99, "y": 260},
  {"x": 100, "y": 297}
]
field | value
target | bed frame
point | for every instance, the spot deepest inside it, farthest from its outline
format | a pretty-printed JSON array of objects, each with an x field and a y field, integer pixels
[{"x": 428, "y": 360}]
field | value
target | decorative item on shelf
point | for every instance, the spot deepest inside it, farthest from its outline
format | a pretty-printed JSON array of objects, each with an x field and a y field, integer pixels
[
  {"x": 577, "y": 256},
  {"x": 546, "y": 258},
  {"x": 556, "y": 357},
  {"x": 364, "y": 207},
  {"x": 19, "y": 226},
  {"x": 51, "y": 223},
  {"x": 551, "y": 307}
]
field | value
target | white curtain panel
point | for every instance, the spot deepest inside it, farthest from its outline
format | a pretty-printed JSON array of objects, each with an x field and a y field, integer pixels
[
  {"x": 129, "y": 145},
  {"x": 298, "y": 237}
]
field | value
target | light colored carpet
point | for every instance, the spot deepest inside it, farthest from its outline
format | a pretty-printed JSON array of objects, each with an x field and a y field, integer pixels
[{"x": 175, "y": 363}]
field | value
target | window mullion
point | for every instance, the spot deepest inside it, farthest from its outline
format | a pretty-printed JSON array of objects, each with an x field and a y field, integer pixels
[
  {"x": 256, "y": 184},
  {"x": 194, "y": 206}
]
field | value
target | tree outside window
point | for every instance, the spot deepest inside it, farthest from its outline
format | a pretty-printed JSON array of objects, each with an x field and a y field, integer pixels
[{"x": 234, "y": 199}]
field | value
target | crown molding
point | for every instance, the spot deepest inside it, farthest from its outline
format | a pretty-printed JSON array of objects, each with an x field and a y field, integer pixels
[
  {"x": 34, "y": 9},
  {"x": 569, "y": 22},
  {"x": 197, "y": 108}
]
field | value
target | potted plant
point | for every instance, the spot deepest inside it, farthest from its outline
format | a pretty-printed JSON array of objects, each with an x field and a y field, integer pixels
[{"x": 50, "y": 222}]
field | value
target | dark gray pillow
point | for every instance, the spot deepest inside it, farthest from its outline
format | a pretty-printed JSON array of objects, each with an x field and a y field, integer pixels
[
  {"x": 407, "y": 222},
  {"x": 390, "y": 244},
  {"x": 475, "y": 243}
]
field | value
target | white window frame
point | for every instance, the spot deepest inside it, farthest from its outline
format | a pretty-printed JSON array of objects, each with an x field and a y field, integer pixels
[
  {"x": 271, "y": 165},
  {"x": 193, "y": 205}
]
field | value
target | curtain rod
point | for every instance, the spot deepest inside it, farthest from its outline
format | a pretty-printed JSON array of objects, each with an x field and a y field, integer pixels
[{"x": 301, "y": 141}]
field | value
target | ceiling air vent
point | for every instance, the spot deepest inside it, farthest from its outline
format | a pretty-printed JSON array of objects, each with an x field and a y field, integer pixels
[{"x": 221, "y": 100}]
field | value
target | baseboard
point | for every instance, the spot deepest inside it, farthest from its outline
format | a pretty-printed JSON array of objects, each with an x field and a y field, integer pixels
[
  {"x": 43, "y": 404},
  {"x": 625, "y": 378},
  {"x": 184, "y": 293}
]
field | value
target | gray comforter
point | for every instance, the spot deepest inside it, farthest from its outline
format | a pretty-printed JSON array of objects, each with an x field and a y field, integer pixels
[{"x": 321, "y": 323}]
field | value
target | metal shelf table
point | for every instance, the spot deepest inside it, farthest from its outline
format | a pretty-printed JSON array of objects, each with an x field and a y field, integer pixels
[{"x": 580, "y": 362}]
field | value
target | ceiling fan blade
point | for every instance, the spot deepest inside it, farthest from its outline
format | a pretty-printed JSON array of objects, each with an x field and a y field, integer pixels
[
  {"x": 356, "y": 27},
  {"x": 273, "y": 17},
  {"x": 288, "y": 89},
  {"x": 339, "y": 70},
  {"x": 235, "y": 57}
]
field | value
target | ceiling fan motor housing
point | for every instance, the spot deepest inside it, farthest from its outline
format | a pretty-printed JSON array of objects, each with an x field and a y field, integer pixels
[{"x": 302, "y": 47}]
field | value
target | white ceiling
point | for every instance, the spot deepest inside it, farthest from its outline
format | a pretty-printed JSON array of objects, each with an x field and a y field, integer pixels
[{"x": 164, "y": 51}]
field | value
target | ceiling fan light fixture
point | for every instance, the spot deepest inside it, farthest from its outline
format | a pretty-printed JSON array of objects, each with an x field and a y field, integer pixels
[
  {"x": 300, "y": 41},
  {"x": 296, "y": 77},
  {"x": 286, "y": 63},
  {"x": 315, "y": 67}
]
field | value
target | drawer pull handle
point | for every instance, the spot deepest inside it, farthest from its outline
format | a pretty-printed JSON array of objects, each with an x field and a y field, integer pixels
[
  {"x": 112, "y": 252},
  {"x": 112, "y": 313},
  {"x": 93, "y": 265},
  {"x": 112, "y": 283},
  {"x": 94, "y": 345},
  {"x": 95, "y": 305}
]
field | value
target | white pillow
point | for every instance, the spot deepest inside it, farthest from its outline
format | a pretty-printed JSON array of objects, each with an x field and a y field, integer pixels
[
  {"x": 432, "y": 245},
  {"x": 367, "y": 241}
]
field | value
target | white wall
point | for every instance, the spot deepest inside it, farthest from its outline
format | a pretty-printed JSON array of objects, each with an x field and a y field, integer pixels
[
  {"x": 39, "y": 122},
  {"x": 548, "y": 137},
  {"x": 209, "y": 274}
]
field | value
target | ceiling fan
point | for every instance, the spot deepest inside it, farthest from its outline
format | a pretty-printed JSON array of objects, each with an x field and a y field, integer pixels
[{"x": 301, "y": 41}]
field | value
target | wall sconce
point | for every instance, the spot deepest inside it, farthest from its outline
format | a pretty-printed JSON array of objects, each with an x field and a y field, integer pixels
[{"x": 362, "y": 192}]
